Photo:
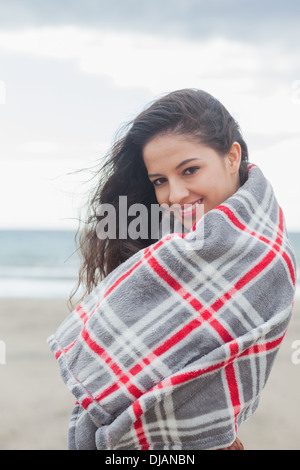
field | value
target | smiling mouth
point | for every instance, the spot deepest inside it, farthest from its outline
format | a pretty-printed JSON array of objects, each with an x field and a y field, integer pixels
[{"x": 190, "y": 208}]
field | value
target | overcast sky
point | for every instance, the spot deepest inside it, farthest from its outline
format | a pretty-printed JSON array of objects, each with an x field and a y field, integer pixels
[
  {"x": 244, "y": 20},
  {"x": 71, "y": 72}
]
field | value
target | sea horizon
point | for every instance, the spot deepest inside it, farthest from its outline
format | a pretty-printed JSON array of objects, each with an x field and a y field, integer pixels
[{"x": 43, "y": 263}]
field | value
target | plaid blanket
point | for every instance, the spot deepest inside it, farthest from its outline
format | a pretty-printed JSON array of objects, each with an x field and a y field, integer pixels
[{"x": 173, "y": 348}]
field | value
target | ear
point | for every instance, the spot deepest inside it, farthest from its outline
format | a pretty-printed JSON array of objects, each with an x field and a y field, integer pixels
[{"x": 234, "y": 158}]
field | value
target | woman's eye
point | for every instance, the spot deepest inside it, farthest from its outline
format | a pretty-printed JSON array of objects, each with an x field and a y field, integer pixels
[
  {"x": 158, "y": 181},
  {"x": 191, "y": 170}
]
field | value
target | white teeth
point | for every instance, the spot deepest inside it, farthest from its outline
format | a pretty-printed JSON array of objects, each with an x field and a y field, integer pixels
[{"x": 190, "y": 207}]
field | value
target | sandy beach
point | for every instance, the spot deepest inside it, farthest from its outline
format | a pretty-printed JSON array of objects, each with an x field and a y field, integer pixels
[{"x": 36, "y": 405}]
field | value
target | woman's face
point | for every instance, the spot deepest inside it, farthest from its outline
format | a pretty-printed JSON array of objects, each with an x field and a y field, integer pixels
[{"x": 186, "y": 172}]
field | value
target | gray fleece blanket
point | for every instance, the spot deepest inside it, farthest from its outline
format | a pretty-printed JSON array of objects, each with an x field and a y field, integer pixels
[{"x": 173, "y": 349}]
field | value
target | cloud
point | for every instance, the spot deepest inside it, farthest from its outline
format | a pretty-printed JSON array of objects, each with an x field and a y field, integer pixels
[
  {"x": 247, "y": 20},
  {"x": 258, "y": 84},
  {"x": 73, "y": 71},
  {"x": 223, "y": 67}
]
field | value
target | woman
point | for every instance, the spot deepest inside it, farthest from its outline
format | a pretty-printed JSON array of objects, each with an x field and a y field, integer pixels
[
  {"x": 192, "y": 113},
  {"x": 174, "y": 340}
]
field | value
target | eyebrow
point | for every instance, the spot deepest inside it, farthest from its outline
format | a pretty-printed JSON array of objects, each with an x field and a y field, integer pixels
[
  {"x": 185, "y": 161},
  {"x": 152, "y": 175}
]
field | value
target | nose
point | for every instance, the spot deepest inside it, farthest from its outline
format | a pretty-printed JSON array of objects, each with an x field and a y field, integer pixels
[{"x": 177, "y": 192}]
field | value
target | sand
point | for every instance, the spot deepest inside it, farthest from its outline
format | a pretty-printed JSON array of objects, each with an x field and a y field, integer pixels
[{"x": 35, "y": 405}]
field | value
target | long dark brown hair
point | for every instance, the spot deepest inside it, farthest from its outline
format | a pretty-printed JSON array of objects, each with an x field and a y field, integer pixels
[{"x": 186, "y": 112}]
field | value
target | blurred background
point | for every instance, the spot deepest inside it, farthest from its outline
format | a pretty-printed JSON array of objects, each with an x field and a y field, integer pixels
[{"x": 71, "y": 72}]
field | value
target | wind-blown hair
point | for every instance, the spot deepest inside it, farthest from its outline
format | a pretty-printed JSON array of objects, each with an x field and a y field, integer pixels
[{"x": 184, "y": 112}]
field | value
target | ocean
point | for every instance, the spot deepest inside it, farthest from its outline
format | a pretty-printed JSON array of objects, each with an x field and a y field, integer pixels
[
  {"x": 38, "y": 263},
  {"x": 44, "y": 263}
]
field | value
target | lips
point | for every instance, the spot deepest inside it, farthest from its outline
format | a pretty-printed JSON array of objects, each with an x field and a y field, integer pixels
[{"x": 190, "y": 207}]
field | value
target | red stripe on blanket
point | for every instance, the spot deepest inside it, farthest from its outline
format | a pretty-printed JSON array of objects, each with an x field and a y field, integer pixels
[
  {"x": 205, "y": 315},
  {"x": 123, "y": 379},
  {"x": 163, "y": 348},
  {"x": 191, "y": 375},
  {"x": 290, "y": 266},
  {"x": 233, "y": 390},
  {"x": 233, "y": 218},
  {"x": 147, "y": 253},
  {"x": 251, "y": 166},
  {"x": 120, "y": 279},
  {"x": 65, "y": 350},
  {"x": 86, "y": 402},
  {"x": 230, "y": 376},
  {"x": 84, "y": 317},
  {"x": 259, "y": 348},
  {"x": 82, "y": 313},
  {"x": 277, "y": 245},
  {"x": 57, "y": 354},
  {"x": 138, "y": 426}
]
